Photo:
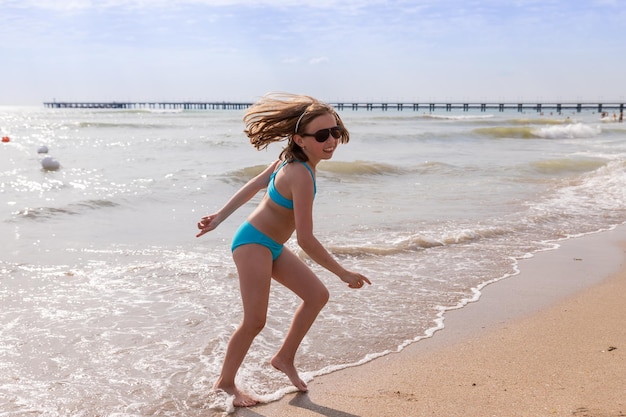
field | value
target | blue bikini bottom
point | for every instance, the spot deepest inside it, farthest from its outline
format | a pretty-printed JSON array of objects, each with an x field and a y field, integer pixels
[{"x": 248, "y": 234}]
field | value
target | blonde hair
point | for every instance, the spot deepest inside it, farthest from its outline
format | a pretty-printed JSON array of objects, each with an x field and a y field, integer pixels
[{"x": 276, "y": 116}]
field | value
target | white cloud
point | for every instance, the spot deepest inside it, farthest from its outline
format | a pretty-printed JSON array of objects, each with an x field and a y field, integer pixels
[
  {"x": 291, "y": 60},
  {"x": 318, "y": 60}
]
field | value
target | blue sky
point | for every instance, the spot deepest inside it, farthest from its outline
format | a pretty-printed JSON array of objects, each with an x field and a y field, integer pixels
[{"x": 348, "y": 50}]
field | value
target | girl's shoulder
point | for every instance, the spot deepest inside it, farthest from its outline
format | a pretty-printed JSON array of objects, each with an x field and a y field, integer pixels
[
  {"x": 300, "y": 173},
  {"x": 295, "y": 165}
]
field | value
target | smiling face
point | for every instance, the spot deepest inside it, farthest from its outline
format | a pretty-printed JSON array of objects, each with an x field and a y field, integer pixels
[{"x": 317, "y": 151}]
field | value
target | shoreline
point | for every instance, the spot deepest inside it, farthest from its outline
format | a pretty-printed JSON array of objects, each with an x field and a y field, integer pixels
[{"x": 528, "y": 347}]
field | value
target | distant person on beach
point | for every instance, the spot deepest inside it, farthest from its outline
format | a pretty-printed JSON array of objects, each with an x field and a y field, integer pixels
[
  {"x": 621, "y": 116},
  {"x": 312, "y": 130}
]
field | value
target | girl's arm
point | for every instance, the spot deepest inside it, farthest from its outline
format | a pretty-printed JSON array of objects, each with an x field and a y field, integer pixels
[
  {"x": 242, "y": 196},
  {"x": 303, "y": 213}
]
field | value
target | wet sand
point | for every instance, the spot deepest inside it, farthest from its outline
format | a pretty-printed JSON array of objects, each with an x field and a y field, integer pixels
[{"x": 550, "y": 341}]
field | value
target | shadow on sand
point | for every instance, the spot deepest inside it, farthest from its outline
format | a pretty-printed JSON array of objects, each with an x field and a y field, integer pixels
[{"x": 300, "y": 400}]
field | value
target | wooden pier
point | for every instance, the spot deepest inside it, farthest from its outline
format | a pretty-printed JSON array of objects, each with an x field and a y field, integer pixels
[
  {"x": 139, "y": 105},
  {"x": 557, "y": 107}
]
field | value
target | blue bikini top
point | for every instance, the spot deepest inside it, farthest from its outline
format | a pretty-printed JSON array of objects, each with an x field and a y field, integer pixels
[{"x": 276, "y": 197}]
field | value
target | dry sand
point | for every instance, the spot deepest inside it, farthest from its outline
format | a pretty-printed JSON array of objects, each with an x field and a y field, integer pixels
[{"x": 550, "y": 341}]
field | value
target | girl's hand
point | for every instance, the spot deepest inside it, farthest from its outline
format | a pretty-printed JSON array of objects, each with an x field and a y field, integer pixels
[
  {"x": 206, "y": 224},
  {"x": 355, "y": 280}
]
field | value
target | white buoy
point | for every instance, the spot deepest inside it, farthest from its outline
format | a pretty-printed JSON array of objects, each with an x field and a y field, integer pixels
[
  {"x": 50, "y": 164},
  {"x": 42, "y": 149}
]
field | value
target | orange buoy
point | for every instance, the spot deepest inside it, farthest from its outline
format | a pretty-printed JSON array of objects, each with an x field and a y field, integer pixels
[{"x": 5, "y": 139}]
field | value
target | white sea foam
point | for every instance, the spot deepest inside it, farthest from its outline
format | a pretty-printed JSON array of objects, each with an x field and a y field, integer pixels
[{"x": 569, "y": 131}]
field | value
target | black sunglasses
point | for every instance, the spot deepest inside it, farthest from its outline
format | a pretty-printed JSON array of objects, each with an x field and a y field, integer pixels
[{"x": 323, "y": 134}]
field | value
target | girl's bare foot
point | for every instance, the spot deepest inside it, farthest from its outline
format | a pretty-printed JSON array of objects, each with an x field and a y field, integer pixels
[
  {"x": 290, "y": 370},
  {"x": 241, "y": 398}
]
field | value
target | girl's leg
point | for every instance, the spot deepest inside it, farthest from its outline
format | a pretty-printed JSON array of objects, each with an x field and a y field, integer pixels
[
  {"x": 294, "y": 274},
  {"x": 254, "y": 265}
]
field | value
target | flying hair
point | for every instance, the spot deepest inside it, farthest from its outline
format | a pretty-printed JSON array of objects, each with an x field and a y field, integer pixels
[{"x": 279, "y": 116}]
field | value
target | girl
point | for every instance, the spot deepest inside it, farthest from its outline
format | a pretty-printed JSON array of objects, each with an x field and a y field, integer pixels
[{"x": 312, "y": 130}]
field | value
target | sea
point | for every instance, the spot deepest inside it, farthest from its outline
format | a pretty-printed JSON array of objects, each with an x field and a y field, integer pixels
[{"x": 110, "y": 306}]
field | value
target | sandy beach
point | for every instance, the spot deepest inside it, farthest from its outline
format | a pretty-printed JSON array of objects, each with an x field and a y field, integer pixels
[{"x": 550, "y": 341}]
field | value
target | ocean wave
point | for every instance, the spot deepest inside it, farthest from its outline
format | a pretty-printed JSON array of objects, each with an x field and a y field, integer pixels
[
  {"x": 461, "y": 117},
  {"x": 565, "y": 165},
  {"x": 118, "y": 125},
  {"x": 41, "y": 213},
  {"x": 570, "y": 131},
  {"x": 434, "y": 168},
  {"x": 411, "y": 243},
  {"x": 567, "y": 131},
  {"x": 593, "y": 198},
  {"x": 245, "y": 174},
  {"x": 359, "y": 168},
  {"x": 529, "y": 121},
  {"x": 418, "y": 242},
  {"x": 156, "y": 111},
  {"x": 354, "y": 168},
  {"x": 414, "y": 116},
  {"x": 502, "y": 132}
]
